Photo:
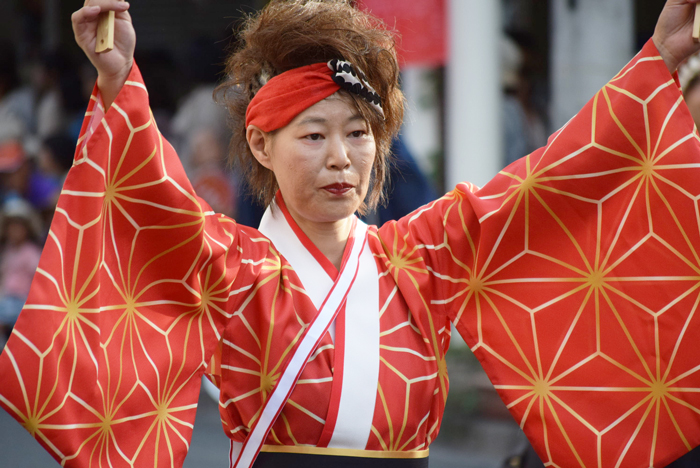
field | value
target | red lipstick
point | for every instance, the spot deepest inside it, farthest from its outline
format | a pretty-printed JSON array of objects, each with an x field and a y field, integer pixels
[{"x": 338, "y": 189}]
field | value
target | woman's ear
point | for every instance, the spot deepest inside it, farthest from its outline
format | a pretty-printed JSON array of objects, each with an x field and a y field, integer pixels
[{"x": 259, "y": 143}]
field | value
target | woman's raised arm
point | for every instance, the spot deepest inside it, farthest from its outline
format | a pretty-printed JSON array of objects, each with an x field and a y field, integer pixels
[{"x": 113, "y": 67}]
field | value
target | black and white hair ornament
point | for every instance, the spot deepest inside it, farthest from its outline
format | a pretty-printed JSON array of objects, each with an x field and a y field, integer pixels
[{"x": 354, "y": 81}]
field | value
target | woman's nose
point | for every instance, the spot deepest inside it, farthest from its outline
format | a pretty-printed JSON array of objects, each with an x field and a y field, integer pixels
[{"x": 338, "y": 156}]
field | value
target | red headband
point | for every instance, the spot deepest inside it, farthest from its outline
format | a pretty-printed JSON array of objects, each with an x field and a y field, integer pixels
[{"x": 288, "y": 94}]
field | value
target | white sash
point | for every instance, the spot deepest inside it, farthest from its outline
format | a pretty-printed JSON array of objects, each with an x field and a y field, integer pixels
[
  {"x": 357, "y": 286},
  {"x": 361, "y": 364}
]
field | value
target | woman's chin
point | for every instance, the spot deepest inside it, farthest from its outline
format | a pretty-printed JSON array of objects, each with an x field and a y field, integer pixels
[{"x": 332, "y": 212}]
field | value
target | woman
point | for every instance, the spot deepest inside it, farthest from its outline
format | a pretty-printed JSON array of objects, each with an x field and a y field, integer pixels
[{"x": 327, "y": 337}]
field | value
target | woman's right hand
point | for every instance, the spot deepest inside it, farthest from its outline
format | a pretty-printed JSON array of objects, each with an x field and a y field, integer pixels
[
  {"x": 674, "y": 31},
  {"x": 113, "y": 67}
]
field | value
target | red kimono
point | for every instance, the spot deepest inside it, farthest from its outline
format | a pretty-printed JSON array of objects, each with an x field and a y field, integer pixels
[{"x": 573, "y": 276}]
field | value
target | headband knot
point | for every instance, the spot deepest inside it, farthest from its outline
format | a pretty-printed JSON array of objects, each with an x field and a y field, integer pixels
[
  {"x": 288, "y": 94},
  {"x": 355, "y": 82}
]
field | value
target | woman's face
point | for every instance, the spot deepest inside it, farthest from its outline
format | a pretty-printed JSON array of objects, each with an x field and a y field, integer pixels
[{"x": 322, "y": 161}]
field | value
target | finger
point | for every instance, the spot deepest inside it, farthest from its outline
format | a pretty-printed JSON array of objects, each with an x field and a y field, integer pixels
[
  {"x": 91, "y": 12},
  {"x": 108, "y": 5},
  {"x": 85, "y": 14},
  {"x": 679, "y": 3},
  {"x": 124, "y": 15}
]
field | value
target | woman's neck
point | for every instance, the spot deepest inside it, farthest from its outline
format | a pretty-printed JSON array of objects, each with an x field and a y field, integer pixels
[{"x": 329, "y": 238}]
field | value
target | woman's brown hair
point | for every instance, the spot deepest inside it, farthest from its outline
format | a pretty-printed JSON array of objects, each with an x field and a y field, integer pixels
[{"x": 289, "y": 34}]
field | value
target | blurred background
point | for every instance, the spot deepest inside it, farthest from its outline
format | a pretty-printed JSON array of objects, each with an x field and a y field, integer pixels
[{"x": 486, "y": 83}]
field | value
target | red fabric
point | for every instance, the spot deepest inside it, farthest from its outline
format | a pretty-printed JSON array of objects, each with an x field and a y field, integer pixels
[
  {"x": 580, "y": 298},
  {"x": 288, "y": 94}
]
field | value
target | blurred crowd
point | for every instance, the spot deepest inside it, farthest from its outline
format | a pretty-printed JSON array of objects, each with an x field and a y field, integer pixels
[{"x": 41, "y": 106}]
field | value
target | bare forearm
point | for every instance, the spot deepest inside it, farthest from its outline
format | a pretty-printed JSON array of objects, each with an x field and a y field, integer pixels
[
  {"x": 113, "y": 67},
  {"x": 111, "y": 85}
]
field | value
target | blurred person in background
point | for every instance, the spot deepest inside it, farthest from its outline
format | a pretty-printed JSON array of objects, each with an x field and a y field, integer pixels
[
  {"x": 524, "y": 129},
  {"x": 200, "y": 129},
  {"x": 197, "y": 110},
  {"x": 36, "y": 179},
  {"x": 54, "y": 159},
  {"x": 15, "y": 170},
  {"x": 49, "y": 104},
  {"x": 50, "y": 115},
  {"x": 16, "y": 102},
  {"x": 19, "y": 258},
  {"x": 210, "y": 176}
]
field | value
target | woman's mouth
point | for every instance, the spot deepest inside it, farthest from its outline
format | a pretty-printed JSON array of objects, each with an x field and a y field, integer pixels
[{"x": 338, "y": 189}]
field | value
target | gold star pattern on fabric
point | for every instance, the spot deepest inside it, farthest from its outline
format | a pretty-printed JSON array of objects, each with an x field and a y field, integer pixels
[
  {"x": 111, "y": 318},
  {"x": 613, "y": 344}
]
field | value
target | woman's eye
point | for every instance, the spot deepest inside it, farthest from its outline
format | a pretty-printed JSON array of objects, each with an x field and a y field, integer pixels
[
  {"x": 358, "y": 133},
  {"x": 314, "y": 136}
]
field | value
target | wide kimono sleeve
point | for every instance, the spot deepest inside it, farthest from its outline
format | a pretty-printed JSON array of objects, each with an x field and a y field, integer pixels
[
  {"x": 105, "y": 362},
  {"x": 574, "y": 276}
]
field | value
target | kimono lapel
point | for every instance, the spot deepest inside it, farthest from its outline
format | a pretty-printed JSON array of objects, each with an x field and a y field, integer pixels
[
  {"x": 356, "y": 363},
  {"x": 316, "y": 279},
  {"x": 355, "y": 292}
]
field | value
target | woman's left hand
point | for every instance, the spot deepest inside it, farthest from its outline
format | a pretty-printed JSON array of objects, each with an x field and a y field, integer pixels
[{"x": 673, "y": 35}]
